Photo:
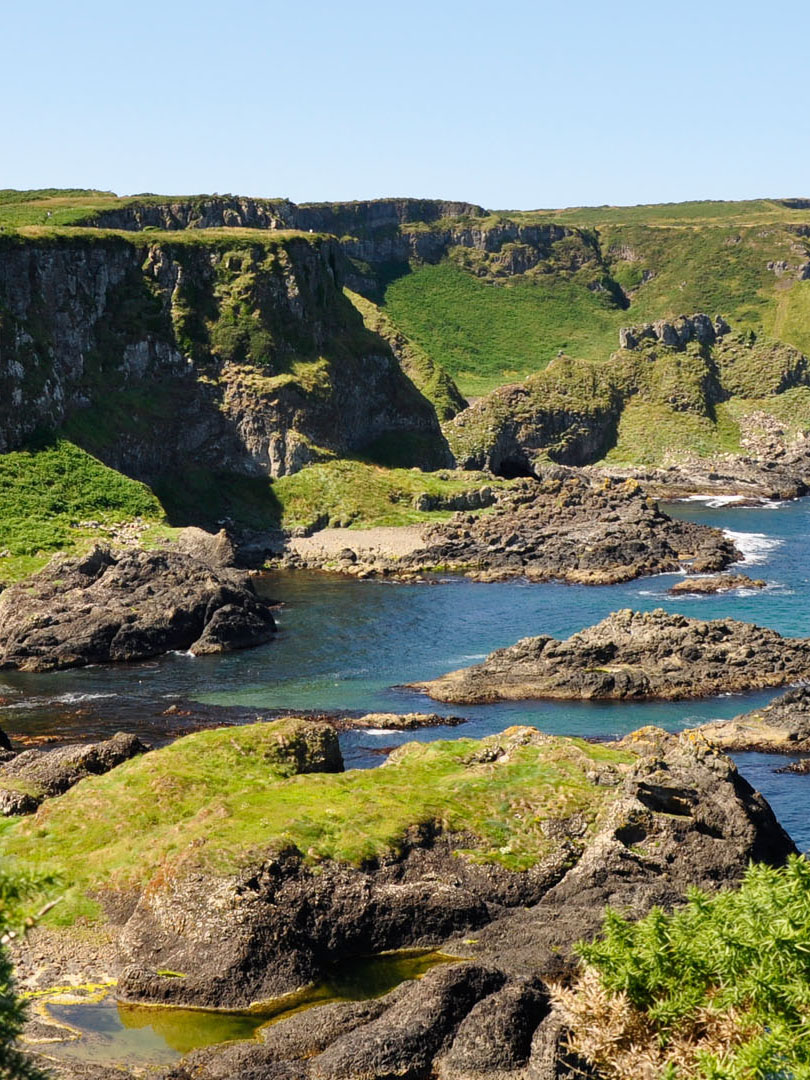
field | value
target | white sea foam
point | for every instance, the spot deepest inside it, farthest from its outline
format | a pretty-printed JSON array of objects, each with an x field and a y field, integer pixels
[
  {"x": 60, "y": 699},
  {"x": 714, "y": 501},
  {"x": 755, "y": 547}
]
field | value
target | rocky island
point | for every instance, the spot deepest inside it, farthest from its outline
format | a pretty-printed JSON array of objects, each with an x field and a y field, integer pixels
[{"x": 632, "y": 655}]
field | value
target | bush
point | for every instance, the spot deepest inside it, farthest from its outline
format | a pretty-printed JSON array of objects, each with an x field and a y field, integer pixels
[{"x": 717, "y": 990}]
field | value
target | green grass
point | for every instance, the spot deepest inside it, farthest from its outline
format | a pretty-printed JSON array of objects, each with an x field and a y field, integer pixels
[
  {"x": 651, "y": 434},
  {"x": 484, "y": 334},
  {"x": 219, "y": 800},
  {"x": 46, "y": 490},
  {"x": 356, "y": 494}
]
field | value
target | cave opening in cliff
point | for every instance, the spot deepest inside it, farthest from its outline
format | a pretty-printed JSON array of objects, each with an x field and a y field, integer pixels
[{"x": 511, "y": 468}]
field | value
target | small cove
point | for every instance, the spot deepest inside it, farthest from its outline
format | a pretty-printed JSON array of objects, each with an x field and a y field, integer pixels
[{"x": 347, "y": 644}]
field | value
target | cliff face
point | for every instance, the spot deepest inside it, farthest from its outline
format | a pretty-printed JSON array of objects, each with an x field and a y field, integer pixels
[
  {"x": 377, "y": 233},
  {"x": 229, "y": 354},
  {"x": 207, "y": 212}
]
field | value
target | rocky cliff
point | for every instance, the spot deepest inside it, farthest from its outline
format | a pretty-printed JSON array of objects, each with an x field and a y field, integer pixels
[
  {"x": 688, "y": 385},
  {"x": 218, "y": 351}
]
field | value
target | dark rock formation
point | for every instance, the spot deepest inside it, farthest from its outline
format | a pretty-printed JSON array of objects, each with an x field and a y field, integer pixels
[
  {"x": 566, "y": 527},
  {"x": 706, "y": 586},
  {"x": 632, "y": 655},
  {"x": 783, "y": 727},
  {"x": 35, "y": 775},
  {"x": 677, "y": 334},
  {"x": 124, "y": 606}
]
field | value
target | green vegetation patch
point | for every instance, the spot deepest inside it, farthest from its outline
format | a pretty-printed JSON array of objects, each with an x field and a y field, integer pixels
[
  {"x": 346, "y": 493},
  {"x": 48, "y": 490},
  {"x": 486, "y": 334},
  {"x": 718, "y": 990},
  {"x": 219, "y": 800},
  {"x": 429, "y": 378}
]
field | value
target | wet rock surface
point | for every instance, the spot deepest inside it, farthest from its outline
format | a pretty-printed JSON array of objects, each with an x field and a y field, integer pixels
[
  {"x": 632, "y": 655},
  {"x": 566, "y": 526},
  {"x": 719, "y": 583},
  {"x": 111, "y": 606},
  {"x": 682, "y": 816},
  {"x": 32, "y": 776},
  {"x": 782, "y": 727}
]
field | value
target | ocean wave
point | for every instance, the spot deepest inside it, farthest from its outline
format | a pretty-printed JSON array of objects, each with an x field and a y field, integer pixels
[
  {"x": 59, "y": 699},
  {"x": 755, "y": 547},
  {"x": 714, "y": 502}
]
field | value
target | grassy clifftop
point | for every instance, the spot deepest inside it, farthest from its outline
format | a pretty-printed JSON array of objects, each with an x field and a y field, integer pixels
[{"x": 219, "y": 800}]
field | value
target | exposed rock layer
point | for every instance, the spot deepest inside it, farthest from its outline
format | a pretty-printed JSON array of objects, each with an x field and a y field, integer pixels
[
  {"x": 127, "y": 606},
  {"x": 783, "y": 727},
  {"x": 632, "y": 655}
]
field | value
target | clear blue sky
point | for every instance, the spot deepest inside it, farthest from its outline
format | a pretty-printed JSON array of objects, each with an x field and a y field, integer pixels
[{"x": 516, "y": 104}]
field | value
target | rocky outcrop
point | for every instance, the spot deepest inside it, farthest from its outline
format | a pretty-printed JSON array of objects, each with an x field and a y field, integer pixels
[
  {"x": 676, "y": 334},
  {"x": 719, "y": 583},
  {"x": 632, "y": 655},
  {"x": 35, "y": 775},
  {"x": 783, "y": 727},
  {"x": 233, "y": 356},
  {"x": 679, "y": 816},
  {"x": 228, "y": 211},
  {"x": 563, "y": 527},
  {"x": 669, "y": 377},
  {"x": 124, "y": 606}
]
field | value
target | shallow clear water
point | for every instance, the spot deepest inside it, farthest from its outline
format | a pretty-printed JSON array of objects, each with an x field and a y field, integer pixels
[
  {"x": 346, "y": 644},
  {"x": 110, "y": 1031}
]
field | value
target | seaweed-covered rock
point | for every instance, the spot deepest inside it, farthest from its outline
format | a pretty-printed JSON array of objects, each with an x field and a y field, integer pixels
[
  {"x": 123, "y": 606},
  {"x": 630, "y": 655}
]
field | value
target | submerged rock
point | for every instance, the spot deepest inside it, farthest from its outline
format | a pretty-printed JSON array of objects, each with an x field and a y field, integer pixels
[
  {"x": 783, "y": 727},
  {"x": 631, "y": 655},
  {"x": 123, "y": 606},
  {"x": 706, "y": 586},
  {"x": 35, "y": 775}
]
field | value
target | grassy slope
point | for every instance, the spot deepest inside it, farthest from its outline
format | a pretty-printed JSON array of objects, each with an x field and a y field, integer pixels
[
  {"x": 220, "y": 799},
  {"x": 45, "y": 492},
  {"x": 485, "y": 334},
  {"x": 670, "y": 260}
]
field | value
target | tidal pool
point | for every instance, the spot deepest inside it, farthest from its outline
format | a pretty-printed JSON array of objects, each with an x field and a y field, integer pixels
[{"x": 107, "y": 1031}]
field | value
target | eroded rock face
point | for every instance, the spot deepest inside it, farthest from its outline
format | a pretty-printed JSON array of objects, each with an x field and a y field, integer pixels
[
  {"x": 783, "y": 727},
  {"x": 125, "y": 606},
  {"x": 36, "y": 775},
  {"x": 682, "y": 816},
  {"x": 632, "y": 655}
]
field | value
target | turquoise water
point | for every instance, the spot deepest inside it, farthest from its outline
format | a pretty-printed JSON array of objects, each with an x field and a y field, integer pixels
[{"x": 349, "y": 644}]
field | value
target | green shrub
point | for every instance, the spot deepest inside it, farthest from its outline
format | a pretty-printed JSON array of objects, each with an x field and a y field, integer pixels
[{"x": 717, "y": 990}]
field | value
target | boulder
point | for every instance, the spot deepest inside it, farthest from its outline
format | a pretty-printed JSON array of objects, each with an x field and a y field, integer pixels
[
  {"x": 35, "y": 775},
  {"x": 718, "y": 583},
  {"x": 214, "y": 549},
  {"x": 123, "y": 606}
]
